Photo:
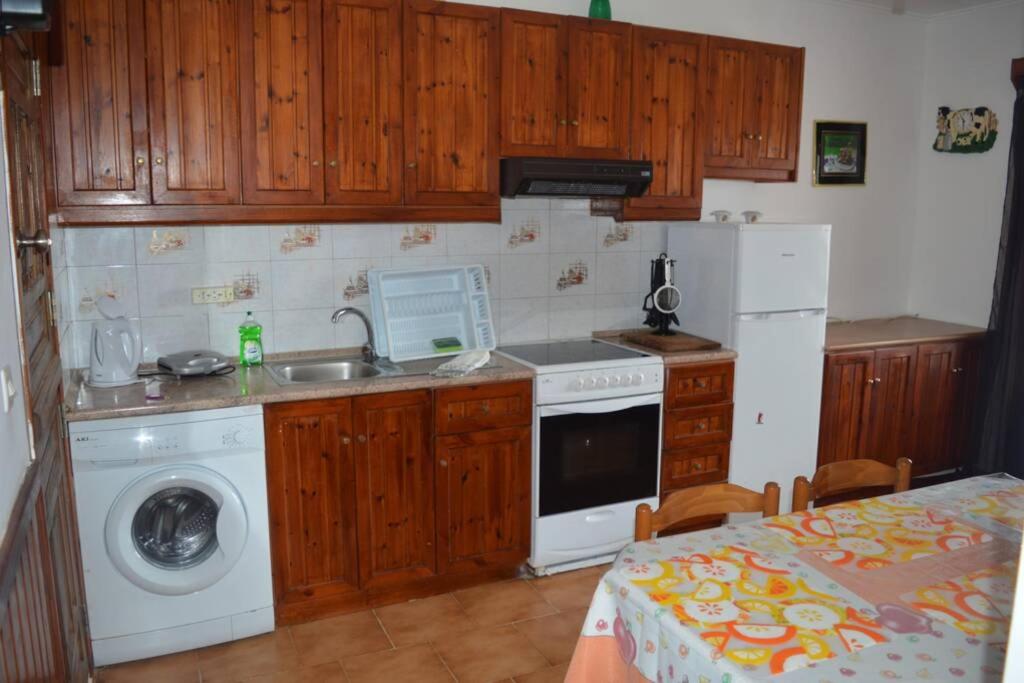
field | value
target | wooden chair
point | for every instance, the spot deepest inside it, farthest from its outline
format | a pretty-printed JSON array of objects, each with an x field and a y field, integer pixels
[
  {"x": 702, "y": 501},
  {"x": 849, "y": 475}
]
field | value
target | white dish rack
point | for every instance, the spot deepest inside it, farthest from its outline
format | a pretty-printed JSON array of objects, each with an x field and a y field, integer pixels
[{"x": 413, "y": 308}]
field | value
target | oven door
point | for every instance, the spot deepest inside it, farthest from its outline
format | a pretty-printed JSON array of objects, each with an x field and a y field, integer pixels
[{"x": 597, "y": 453}]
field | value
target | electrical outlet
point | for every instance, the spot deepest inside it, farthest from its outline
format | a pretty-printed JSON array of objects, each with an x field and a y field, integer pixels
[{"x": 213, "y": 295}]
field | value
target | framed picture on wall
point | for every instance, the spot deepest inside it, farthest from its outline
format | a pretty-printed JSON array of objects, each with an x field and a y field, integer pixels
[{"x": 840, "y": 152}]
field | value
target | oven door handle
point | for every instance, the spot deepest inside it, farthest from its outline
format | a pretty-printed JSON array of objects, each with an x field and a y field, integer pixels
[{"x": 597, "y": 407}]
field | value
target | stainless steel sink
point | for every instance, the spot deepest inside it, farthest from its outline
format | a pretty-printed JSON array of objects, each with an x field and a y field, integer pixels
[{"x": 319, "y": 371}]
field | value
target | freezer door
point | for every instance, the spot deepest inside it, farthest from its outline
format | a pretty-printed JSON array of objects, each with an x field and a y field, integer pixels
[
  {"x": 782, "y": 268},
  {"x": 777, "y": 399}
]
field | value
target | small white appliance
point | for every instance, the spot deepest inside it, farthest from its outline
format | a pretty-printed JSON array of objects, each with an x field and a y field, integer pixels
[
  {"x": 172, "y": 515},
  {"x": 596, "y": 448},
  {"x": 762, "y": 289},
  {"x": 116, "y": 347},
  {"x": 194, "y": 363}
]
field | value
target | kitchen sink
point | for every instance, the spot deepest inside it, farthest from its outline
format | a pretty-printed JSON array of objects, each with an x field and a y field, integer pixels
[{"x": 319, "y": 371}]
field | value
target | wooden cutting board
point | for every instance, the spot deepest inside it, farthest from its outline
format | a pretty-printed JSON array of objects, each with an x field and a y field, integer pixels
[{"x": 678, "y": 342}]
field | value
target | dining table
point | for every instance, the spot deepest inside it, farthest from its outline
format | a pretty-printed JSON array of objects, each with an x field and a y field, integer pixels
[{"x": 911, "y": 586}]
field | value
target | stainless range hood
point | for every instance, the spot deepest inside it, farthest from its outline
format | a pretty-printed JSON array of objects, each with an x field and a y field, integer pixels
[{"x": 574, "y": 177}]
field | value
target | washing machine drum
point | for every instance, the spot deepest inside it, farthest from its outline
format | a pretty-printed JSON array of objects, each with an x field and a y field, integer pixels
[{"x": 176, "y": 530}]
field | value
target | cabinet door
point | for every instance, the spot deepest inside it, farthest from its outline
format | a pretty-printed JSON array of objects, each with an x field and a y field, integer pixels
[
  {"x": 363, "y": 101},
  {"x": 312, "y": 500},
  {"x": 394, "y": 487},
  {"x": 483, "y": 499},
  {"x": 193, "y": 101},
  {"x": 281, "y": 98},
  {"x": 968, "y": 376},
  {"x": 730, "y": 104},
  {"x": 599, "y": 88},
  {"x": 846, "y": 400},
  {"x": 776, "y": 129},
  {"x": 533, "y": 65},
  {"x": 669, "y": 71},
  {"x": 98, "y": 93},
  {"x": 887, "y": 437},
  {"x": 935, "y": 403},
  {"x": 451, "y": 103}
]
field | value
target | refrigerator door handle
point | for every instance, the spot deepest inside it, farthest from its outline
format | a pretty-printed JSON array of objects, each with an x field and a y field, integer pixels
[{"x": 783, "y": 315}]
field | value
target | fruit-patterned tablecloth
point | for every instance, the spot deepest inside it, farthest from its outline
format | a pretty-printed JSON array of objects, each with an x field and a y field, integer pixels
[{"x": 912, "y": 586}]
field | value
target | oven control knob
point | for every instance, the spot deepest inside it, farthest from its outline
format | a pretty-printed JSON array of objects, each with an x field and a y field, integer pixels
[
  {"x": 638, "y": 378},
  {"x": 578, "y": 384},
  {"x": 591, "y": 383},
  {"x": 603, "y": 382},
  {"x": 616, "y": 380}
]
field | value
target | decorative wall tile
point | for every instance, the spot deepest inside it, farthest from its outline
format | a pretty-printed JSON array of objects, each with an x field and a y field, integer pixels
[
  {"x": 361, "y": 241},
  {"x": 99, "y": 246},
  {"x": 88, "y": 284},
  {"x": 167, "y": 290},
  {"x": 571, "y": 274},
  {"x": 524, "y": 276},
  {"x": 168, "y": 245},
  {"x": 170, "y": 334},
  {"x": 300, "y": 242},
  {"x": 252, "y": 282},
  {"x": 351, "y": 282},
  {"x": 420, "y": 240},
  {"x": 525, "y": 232},
  {"x": 237, "y": 243},
  {"x": 303, "y": 284},
  {"x": 612, "y": 236}
]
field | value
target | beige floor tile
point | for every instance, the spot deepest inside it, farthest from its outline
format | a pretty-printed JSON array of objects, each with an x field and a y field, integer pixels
[
  {"x": 571, "y": 590},
  {"x": 503, "y": 603},
  {"x": 416, "y": 663},
  {"x": 420, "y": 621},
  {"x": 330, "y": 672},
  {"x": 177, "y": 668},
  {"x": 554, "y": 674},
  {"x": 332, "y": 639},
  {"x": 490, "y": 654},
  {"x": 555, "y": 635},
  {"x": 243, "y": 659}
]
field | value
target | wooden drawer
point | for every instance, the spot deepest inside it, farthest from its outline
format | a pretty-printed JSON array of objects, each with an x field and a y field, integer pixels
[
  {"x": 483, "y": 406},
  {"x": 693, "y": 466},
  {"x": 697, "y": 385},
  {"x": 698, "y": 426}
]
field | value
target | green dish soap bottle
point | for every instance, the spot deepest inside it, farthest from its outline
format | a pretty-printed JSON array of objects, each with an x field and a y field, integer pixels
[{"x": 250, "y": 332}]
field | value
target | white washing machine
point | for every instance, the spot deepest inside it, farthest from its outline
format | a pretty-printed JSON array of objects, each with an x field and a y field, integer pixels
[{"x": 172, "y": 514}]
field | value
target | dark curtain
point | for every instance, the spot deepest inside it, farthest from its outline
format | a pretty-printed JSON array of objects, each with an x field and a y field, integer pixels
[{"x": 998, "y": 429}]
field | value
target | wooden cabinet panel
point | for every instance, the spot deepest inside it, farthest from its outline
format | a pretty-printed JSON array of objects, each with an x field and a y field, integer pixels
[
  {"x": 533, "y": 87},
  {"x": 779, "y": 94},
  {"x": 968, "y": 377},
  {"x": 599, "y": 86},
  {"x": 694, "y": 466},
  {"x": 694, "y": 385},
  {"x": 935, "y": 407},
  {"x": 193, "y": 101},
  {"x": 363, "y": 101},
  {"x": 483, "y": 499},
  {"x": 394, "y": 487},
  {"x": 887, "y": 436},
  {"x": 846, "y": 400},
  {"x": 732, "y": 74},
  {"x": 281, "y": 102},
  {"x": 698, "y": 426},
  {"x": 669, "y": 72},
  {"x": 312, "y": 500},
  {"x": 451, "y": 103},
  {"x": 483, "y": 406},
  {"x": 100, "y": 150}
]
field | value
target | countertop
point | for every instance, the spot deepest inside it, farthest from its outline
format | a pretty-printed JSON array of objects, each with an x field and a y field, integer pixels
[
  {"x": 864, "y": 334},
  {"x": 670, "y": 358}
]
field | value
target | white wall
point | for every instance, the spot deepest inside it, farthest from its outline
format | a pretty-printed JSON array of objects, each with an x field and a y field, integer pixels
[{"x": 960, "y": 197}]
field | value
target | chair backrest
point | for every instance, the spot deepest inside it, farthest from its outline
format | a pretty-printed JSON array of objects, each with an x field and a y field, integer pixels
[
  {"x": 849, "y": 475},
  {"x": 703, "y": 501}
]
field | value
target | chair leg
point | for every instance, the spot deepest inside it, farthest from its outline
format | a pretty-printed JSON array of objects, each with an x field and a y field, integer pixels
[
  {"x": 771, "y": 499},
  {"x": 903, "y": 466},
  {"x": 801, "y": 494},
  {"x": 642, "y": 531}
]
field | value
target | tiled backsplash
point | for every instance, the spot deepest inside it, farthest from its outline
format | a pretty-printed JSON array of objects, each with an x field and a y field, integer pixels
[{"x": 555, "y": 272}]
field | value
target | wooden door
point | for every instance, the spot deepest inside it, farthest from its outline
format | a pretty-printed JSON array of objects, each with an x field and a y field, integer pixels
[
  {"x": 845, "y": 403},
  {"x": 730, "y": 104},
  {"x": 312, "y": 500},
  {"x": 281, "y": 102},
  {"x": 935, "y": 403},
  {"x": 363, "y": 101},
  {"x": 669, "y": 72},
  {"x": 452, "y": 99},
  {"x": 887, "y": 436},
  {"x": 394, "y": 488},
  {"x": 534, "y": 60},
  {"x": 192, "y": 67},
  {"x": 598, "y": 89},
  {"x": 776, "y": 129},
  {"x": 483, "y": 499},
  {"x": 98, "y": 92}
]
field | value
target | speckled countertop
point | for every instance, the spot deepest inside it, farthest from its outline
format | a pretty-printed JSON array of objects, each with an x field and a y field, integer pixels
[
  {"x": 670, "y": 357},
  {"x": 865, "y": 334}
]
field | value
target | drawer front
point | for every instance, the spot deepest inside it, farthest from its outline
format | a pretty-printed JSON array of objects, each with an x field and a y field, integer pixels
[
  {"x": 694, "y": 466},
  {"x": 483, "y": 406},
  {"x": 699, "y": 426},
  {"x": 696, "y": 385}
]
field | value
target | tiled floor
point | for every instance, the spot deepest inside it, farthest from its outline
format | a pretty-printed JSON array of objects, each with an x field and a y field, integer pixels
[{"x": 523, "y": 630}]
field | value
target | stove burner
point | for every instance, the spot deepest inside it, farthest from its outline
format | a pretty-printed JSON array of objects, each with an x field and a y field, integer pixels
[{"x": 562, "y": 353}]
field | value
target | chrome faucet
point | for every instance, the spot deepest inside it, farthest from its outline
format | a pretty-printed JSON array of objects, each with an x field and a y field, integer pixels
[{"x": 369, "y": 351}]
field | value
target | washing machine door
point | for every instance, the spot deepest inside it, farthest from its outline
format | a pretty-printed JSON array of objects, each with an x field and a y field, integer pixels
[{"x": 176, "y": 530}]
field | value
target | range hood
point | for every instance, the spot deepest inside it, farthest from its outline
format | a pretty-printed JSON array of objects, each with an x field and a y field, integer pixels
[{"x": 574, "y": 177}]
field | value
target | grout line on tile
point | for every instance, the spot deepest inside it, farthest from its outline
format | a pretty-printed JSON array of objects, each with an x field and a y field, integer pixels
[
  {"x": 433, "y": 648},
  {"x": 382, "y": 628}
]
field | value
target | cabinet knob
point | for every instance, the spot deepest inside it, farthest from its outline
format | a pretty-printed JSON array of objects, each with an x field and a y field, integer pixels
[
  {"x": 871, "y": 380},
  {"x": 159, "y": 161},
  {"x": 697, "y": 466},
  {"x": 760, "y": 137},
  {"x": 412, "y": 164},
  {"x": 574, "y": 122},
  {"x": 748, "y": 136},
  {"x": 563, "y": 122},
  {"x": 442, "y": 463},
  {"x": 332, "y": 163},
  {"x": 701, "y": 384},
  {"x": 361, "y": 438},
  {"x": 139, "y": 161},
  {"x": 346, "y": 440},
  {"x": 878, "y": 380},
  {"x": 316, "y": 164}
]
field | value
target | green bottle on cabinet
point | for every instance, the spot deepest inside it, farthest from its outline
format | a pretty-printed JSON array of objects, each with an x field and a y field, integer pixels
[
  {"x": 600, "y": 9},
  {"x": 250, "y": 333}
]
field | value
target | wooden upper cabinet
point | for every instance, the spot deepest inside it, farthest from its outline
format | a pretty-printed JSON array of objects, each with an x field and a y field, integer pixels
[
  {"x": 776, "y": 127},
  {"x": 363, "y": 101},
  {"x": 729, "y": 107},
  {"x": 193, "y": 101},
  {"x": 669, "y": 72},
  {"x": 99, "y": 144},
  {"x": 281, "y": 102},
  {"x": 534, "y": 60},
  {"x": 846, "y": 401},
  {"x": 451, "y": 103},
  {"x": 598, "y": 95}
]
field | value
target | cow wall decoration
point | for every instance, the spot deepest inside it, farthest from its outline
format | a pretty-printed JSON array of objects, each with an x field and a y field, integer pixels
[{"x": 966, "y": 131}]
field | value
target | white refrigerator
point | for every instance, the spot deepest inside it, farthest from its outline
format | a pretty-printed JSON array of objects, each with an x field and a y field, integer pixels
[{"x": 762, "y": 290}]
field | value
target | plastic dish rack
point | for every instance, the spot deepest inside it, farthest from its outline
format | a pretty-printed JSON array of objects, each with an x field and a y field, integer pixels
[{"x": 413, "y": 308}]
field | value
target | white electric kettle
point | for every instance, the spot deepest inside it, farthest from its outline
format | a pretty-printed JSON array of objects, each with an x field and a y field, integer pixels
[{"x": 116, "y": 347}]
